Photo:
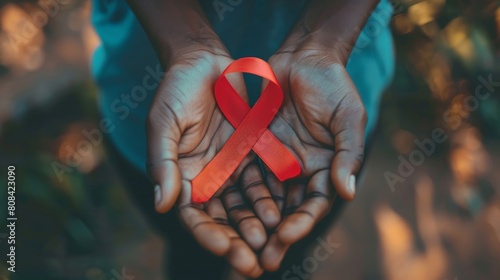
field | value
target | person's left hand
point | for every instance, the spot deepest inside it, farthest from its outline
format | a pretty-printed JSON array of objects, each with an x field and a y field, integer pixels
[{"x": 322, "y": 121}]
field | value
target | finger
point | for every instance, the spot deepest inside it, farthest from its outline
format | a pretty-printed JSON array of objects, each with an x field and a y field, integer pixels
[
  {"x": 277, "y": 189},
  {"x": 273, "y": 253},
  {"x": 234, "y": 178},
  {"x": 240, "y": 256},
  {"x": 249, "y": 226},
  {"x": 317, "y": 202},
  {"x": 348, "y": 130},
  {"x": 163, "y": 136},
  {"x": 207, "y": 231},
  {"x": 254, "y": 188},
  {"x": 294, "y": 196},
  {"x": 215, "y": 209}
]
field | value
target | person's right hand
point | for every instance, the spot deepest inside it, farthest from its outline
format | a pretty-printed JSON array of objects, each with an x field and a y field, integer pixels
[{"x": 185, "y": 130}]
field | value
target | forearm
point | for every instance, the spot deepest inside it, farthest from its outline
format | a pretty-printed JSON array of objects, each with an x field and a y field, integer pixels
[
  {"x": 331, "y": 24},
  {"x": 175, "y": 26}
]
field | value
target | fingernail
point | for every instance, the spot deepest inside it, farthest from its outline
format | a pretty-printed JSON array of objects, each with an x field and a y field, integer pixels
[
  {"x": 157, "y": 194},
  {"x": 352, "y": 184}
]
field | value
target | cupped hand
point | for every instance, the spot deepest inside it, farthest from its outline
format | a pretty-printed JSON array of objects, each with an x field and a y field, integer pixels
[
  {"x": 185, "y": 130},
  {"x": 227, "y": 225},
  {"x": 322, "y": 121}
]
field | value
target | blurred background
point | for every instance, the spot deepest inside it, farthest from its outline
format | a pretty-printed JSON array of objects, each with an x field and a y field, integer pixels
[{"x": 420, "y": 214}]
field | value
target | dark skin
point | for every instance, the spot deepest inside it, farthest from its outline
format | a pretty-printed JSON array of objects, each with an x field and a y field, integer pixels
[
  {"x": 330, "y": 151},
  {"x": 321, "y": 121},
  {"x": 182, "y": 142}
]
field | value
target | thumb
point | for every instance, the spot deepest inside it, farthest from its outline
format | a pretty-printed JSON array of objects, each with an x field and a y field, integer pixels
[
  {"x": 348, "y": 128},
  {"x": 163, "y": 136}
]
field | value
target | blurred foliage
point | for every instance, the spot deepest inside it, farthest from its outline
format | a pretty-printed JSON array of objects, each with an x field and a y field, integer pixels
[{"x": 443, "y": 47}]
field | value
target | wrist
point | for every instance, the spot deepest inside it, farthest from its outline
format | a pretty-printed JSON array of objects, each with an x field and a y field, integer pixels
[
  {"x": 330, "y": 26},
  {"x": 175, "y": 27},
  {"x": 316, "y": 45},
  {"x": 189, "y": 47}
]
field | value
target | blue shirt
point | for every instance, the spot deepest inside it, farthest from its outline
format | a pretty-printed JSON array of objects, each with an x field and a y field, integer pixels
[{"x": 128, "y": 72}]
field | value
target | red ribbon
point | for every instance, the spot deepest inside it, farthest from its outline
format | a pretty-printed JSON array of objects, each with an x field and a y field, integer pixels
[{"x": 251, "y": 131}]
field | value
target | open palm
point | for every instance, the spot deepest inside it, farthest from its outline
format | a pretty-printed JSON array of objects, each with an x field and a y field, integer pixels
[
  {"x": 185, "y": 131},
  {"x": 322, "y": 122}
]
